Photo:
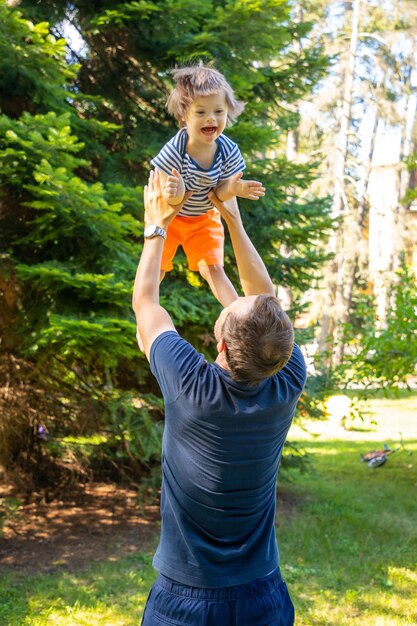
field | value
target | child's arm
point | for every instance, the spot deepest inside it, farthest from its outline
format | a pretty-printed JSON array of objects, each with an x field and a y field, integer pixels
[
  {"x": 234, "y": 186},
  {"x": 173, "y": 188}
]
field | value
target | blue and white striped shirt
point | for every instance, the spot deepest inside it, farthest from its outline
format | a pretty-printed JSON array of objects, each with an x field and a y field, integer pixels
[{"x": 226, "y": 162}]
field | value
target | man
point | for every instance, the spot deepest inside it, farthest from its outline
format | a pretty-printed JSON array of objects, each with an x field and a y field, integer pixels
[{"x": 225, "y": 426}]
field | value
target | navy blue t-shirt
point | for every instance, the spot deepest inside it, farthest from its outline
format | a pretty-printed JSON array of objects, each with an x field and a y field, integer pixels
[{"x": 221, "y": 449}]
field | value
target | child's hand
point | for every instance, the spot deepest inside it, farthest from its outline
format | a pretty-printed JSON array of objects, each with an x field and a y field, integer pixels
[
  {"x": 157, "y": 208},
  {"x": 174, "y": 188},
  {"x": 250, "y": 189}
]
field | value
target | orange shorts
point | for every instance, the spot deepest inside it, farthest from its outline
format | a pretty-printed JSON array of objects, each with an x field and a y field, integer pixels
[{"x": 202, "y": 239}]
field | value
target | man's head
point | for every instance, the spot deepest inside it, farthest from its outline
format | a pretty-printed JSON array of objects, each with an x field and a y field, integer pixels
[{"x": 256, "y": 337}]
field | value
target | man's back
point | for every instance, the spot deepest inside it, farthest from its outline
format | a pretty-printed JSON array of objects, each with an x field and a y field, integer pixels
[{"x": 222, "y": 446}]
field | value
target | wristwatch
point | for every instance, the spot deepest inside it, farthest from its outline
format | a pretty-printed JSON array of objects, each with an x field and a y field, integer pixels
[{"x": 154, "y": 231}]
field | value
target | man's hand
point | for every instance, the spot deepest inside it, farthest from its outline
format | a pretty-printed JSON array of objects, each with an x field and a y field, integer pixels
[
  {"x": 229, "y": 209},
  {"x": 250, "y": 189},
  {"x": 174, "y": 188},
  {"x": 157, "y": 209}
]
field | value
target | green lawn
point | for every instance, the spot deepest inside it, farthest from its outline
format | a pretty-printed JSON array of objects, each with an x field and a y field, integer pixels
[
  {"x": 349, "y": 553},
  {"x": 347, "y": 535},
  {"x": 112, "y": 593}
]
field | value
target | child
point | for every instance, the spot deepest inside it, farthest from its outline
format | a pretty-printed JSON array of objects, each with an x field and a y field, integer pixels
[{"x": 199, "y": 158}]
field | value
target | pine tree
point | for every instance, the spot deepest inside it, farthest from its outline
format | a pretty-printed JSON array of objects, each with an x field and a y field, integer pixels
[
  {"x": 73, "y": 171},
  {"x": 68, "y": 248}
]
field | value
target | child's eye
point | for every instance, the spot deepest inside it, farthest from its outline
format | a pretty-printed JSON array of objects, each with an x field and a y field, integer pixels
[{"x": 219, "y": 111}]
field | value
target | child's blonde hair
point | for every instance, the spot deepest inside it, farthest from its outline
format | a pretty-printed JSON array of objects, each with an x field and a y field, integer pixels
[{"x": 200, "y": 80}]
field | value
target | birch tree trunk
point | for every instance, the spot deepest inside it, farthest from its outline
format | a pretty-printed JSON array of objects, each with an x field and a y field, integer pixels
[
  {"x": 384, "y": 196},
  {"x": 334, "y": 308},
  {"x": 403, "y": 235},
  {"x": 285, "y": 293},
  {"x": 390, "y": 228},
  {"x": 359, "y": 256}
]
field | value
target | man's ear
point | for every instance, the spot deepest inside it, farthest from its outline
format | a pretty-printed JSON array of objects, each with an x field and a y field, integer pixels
[{"x": 221, "y": 345}]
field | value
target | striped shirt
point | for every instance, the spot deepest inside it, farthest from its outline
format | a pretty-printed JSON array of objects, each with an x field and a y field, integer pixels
[{"x": 226, "y": 162}]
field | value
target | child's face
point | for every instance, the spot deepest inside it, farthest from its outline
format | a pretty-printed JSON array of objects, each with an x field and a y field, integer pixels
[{"x": 206, "y": 118}]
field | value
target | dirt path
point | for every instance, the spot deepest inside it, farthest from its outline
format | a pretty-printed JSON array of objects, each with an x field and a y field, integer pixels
[{"x": 102, "y": 522}]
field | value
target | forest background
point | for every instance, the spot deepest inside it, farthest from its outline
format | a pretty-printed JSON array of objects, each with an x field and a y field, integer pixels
[{"x": 328, "y": 127}]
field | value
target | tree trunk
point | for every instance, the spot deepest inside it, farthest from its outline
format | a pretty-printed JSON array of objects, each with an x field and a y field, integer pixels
[
  {"x": 359, "y": 253},
  {"x": 389, "y": 228},
  {"x": 384, "y": 194},
  {"x": 334, "y": 308},
  {"x": 284, "y": 292},
  {"x": 402, "y": 231}
]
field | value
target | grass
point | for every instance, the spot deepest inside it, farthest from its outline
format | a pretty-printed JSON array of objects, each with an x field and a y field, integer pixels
[
  {"x": 347, "y": 536},
  {"x": 350, "y": 555},
  {"x": 112, "y": 593}
]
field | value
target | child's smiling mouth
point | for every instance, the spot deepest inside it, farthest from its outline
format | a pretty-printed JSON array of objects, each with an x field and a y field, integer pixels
[{"x": 209, "y": 130}]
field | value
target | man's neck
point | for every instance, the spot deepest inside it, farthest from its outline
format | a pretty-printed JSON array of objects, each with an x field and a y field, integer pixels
[{"x": 221, "y": 361}]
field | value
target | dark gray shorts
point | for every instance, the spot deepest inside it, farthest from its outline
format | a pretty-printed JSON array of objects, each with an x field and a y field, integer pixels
[{"x": 263, "y": 602}]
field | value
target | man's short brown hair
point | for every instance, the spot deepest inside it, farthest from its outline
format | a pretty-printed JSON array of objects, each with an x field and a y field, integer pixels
[
  {"x": 193, "y": 81},
  {"x": 259, "y": 343}
]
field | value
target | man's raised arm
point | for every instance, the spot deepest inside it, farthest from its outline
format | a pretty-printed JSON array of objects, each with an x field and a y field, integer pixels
[
  {"x": 151, "y": 318},
  {"x": 253, "y": 274}
]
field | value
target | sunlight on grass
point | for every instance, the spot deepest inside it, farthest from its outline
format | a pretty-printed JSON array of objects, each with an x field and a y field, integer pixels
[
  {"x": 76, "y": 615},
  {"x": 328, "y": 451},
  {"x": 350, "y": 557},
  {"x": 91, "y": 440},
  {"x": 356, "y": 607},
  {"x": 383, "y": 419},
  {"x": 112, "y": 594},
  {"x": 403, "y": 574}
]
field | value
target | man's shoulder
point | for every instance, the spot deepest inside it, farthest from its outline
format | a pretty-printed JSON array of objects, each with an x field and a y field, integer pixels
[
  {"x": 295, "y": 370},
  {"x": 171, "y": 351},
  {"x": 175, "y": 363},
  {"x": 170, "y": 340}
]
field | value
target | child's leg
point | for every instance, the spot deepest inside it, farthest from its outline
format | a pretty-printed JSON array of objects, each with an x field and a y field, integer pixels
[
  {"x": 170, "y": 248},
  {"x": 219, "y": 283}
]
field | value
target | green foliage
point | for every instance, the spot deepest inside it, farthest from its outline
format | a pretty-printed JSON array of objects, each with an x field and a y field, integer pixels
[
  {"x": 383, "y": 356},
  {"x": 33, "y": 71},
  {"x": 29, "y": 139},
  {"x": 135, "y": 434},
  {"x": 75, "y": 147},
  {"x": 9, "y": 508},
  {"x": 75, "y": 248},
  {"x": 69, "y": 242}
]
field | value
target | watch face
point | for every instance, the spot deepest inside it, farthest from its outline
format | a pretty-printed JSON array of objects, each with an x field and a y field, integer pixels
[
  {"x": 153, "y": 230},
  {"x": 150, "y": 230}
]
